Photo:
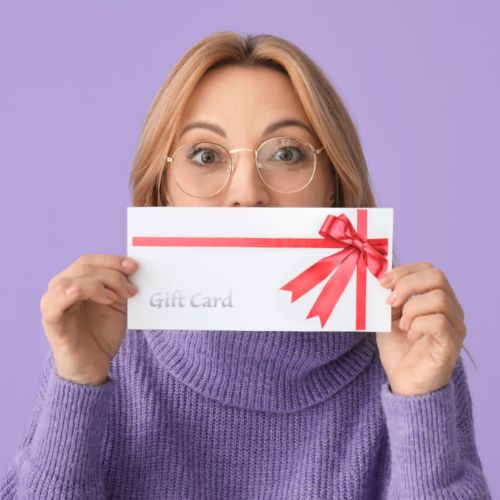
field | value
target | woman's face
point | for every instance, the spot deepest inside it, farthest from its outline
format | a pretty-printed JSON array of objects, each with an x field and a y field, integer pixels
[{"x": 242, "y": 102}]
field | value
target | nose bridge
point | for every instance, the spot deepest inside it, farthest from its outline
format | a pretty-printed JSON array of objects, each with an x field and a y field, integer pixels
[
  {"x": 245, "y": 187},
  {"x": 237, "y": 150},
  {"x": 237, "y": 159}
]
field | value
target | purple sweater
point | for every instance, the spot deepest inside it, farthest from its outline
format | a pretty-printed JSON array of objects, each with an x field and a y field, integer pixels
[{"x": 246, "y": 415}]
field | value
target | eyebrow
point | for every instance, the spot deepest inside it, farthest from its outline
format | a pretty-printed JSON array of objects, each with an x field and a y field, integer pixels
[{"x": 287, "y": 122}]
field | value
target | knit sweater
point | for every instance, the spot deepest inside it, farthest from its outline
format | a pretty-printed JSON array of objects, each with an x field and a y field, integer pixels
[{"x": 246, "y": 415}]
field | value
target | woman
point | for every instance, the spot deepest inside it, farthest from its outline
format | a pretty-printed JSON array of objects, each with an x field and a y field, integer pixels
[{"x": 207, "y": 414}]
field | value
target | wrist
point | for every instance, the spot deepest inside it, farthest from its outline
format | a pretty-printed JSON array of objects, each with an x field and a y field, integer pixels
[
  {"x": 413, "y": 391},
  {"x": 93, "y": 379}
]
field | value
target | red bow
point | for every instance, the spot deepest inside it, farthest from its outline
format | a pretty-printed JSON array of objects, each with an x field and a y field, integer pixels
[{"x": 359, "y": 252}]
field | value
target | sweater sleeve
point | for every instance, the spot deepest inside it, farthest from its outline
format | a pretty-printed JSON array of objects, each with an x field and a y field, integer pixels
[
  {"x": 60, "y": 454},
  {"x": 432, "y": 443}
]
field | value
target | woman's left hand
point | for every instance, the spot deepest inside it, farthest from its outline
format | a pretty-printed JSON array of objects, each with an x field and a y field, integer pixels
[{"x": 428, "y": 330}]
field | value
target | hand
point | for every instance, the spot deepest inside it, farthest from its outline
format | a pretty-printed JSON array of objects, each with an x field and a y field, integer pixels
[
  {"x": 428, "y": 330},
  {"x": 84, "y": 315}
]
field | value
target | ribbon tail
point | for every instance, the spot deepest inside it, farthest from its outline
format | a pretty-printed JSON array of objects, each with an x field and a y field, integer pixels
[
  {"x": 315, "y": 274},
  {"x": 334, "y": 288}
]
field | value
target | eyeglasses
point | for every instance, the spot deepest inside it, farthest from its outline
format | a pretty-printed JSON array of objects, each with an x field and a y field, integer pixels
[{"x": 285, "y": 165}]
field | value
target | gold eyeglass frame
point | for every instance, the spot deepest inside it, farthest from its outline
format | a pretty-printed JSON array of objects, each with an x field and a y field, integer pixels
[{"x": 170, "y": 160}]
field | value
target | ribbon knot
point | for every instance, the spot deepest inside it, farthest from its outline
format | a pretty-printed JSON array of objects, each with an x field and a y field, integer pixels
[
  {"x": 359, "y": 252},
  {"x": 359, "y": 244}
]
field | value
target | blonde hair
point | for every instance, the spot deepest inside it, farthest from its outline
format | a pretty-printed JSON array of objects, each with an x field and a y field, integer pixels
[
  {"x": 321, "y": 102},
  {"x": 323, "y": 107}
]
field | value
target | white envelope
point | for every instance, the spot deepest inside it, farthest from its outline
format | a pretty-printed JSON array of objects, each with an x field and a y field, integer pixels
[{"x": 214, "y": 268}]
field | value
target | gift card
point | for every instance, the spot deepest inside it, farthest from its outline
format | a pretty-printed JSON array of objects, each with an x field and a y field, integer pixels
[{"x": 260, "y": 268}]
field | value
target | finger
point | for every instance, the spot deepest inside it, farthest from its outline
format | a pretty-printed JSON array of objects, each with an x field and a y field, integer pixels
[
  {"x": 396, "y": 273},
  {"x": 420, "y": 282},
  {"x": 435, "y": 301},
  {"x": 120, "y": 263},
  {"x": 68, "y": 291},
  {"x": 436, "y": 326},
  {"x": 110, "y": 278},
  {"x": 108, "y": 260},
  {"x": 396, "y": 312},
  {"x": 116, "y": 281}
]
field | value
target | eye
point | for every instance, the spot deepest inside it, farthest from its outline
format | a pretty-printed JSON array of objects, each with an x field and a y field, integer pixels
[
  {"x": 203, "y": 155},
  {"x": 289, "y": 154}
]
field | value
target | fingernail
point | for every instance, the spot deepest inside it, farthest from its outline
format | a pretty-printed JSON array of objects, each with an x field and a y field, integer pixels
[
  {"x": 72, "y": 289},
  {"x": 132, "y": 289},
  {"x": 386, "y": 278},
  {"x": 392, "y": 297},
  {"x": 403, "y": 323},
  {"x": 128, "y": 263}
]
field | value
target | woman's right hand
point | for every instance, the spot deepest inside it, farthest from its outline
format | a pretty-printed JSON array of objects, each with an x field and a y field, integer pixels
[{"x": 84, "y": 315}]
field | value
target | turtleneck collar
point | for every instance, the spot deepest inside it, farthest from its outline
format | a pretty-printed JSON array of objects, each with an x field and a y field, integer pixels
[{"x": 270, "y": 371}]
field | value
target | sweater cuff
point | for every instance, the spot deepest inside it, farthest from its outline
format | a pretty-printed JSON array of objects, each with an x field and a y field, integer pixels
[
  {"x": 423, "y": 440},
  {"x": 67, "y": 442}
]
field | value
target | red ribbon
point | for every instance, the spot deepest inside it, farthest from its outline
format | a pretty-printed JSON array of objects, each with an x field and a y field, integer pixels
[{"x": 358, "y": 252}]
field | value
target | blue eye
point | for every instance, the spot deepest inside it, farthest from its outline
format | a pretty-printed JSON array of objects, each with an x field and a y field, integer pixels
[
  {"x": 207, "y": 157},
  {"x": 204, "y": 154},
  {"x": 286, "y": 154}
]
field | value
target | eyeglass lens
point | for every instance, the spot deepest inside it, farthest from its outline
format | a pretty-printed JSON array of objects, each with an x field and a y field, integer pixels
[{"x": 284, "y": 164}]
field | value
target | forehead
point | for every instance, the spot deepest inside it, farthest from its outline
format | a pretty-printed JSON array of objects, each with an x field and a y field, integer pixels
[{"x": 236, "y": 92}]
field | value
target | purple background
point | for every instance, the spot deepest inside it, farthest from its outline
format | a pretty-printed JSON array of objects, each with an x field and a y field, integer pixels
[{"x": 421, "y": 81}]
